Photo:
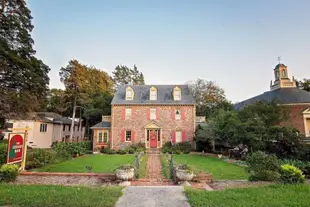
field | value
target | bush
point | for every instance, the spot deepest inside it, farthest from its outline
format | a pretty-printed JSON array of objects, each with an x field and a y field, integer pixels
[
  {"x": 297, "y": 163},
  {"x": 139, "y": 147},
  {"x": 67, "y": 150},
  {"x": 3, "y": 153},
  {"x": 8, "y": 172},
  {"x": 121, "y": 152},
  {"x": 108, "y": 151},
  {"x": 39, "y": 157},
  {"x": 291, "y": 174},
  {"x": 182, "y": 147},
  {"x": 263, "y": 167}
]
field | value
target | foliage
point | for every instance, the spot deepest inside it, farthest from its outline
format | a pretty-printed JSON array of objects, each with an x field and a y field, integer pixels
[
  {"x": 219, "y": 169},
  {"x": 126, "y": 167},
  {"x": 56, "y": 101},
  {"x": 66, "y": 150},
  {"x": 184, "y": 167},
  {"x": 297, "y": 163},
  {"x": 108, "y": 151},
  {"x": 165, "y": 168},
  {"x": 58, "y": 195},
  {"x": 207, "y": 95},
  {"x": 304, "y": 85},
  {"x": 123, "y": 75},
  {"x": 39, "y": 157},
  {"x": 8, "y": 172},
  {"x": 121, "y": 152},
  {"x": 262, "y": 167},
  {"x": 291, "y": 174},
  {"x": 260, "y": 196},
  {"x": 23, "y": 77},
  {"x": 138, "y": 147},
  {"x": 178, "y": 148},
  {"x": 3, "y": 153}
]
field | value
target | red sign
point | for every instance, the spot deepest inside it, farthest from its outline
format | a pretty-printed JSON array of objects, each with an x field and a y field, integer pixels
[{"x": 15, "y": 147}]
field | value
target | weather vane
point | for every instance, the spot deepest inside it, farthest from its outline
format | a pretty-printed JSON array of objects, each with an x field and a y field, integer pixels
[{"x": 279, "y": 59}]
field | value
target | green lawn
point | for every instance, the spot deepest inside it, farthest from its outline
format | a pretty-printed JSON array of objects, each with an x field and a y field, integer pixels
[
  {"x": 220, "y": 169},
  {"x": 100, "y": 164},
  {"x": 142, "y": 170},
  {"x": 267, "y": 196},
  {"x": 57, "y": 196},
  {"x": 165, "y": 168}
]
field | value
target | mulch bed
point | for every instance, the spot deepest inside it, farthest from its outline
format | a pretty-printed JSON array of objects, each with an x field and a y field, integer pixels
[{"x": 221, "y": 185}]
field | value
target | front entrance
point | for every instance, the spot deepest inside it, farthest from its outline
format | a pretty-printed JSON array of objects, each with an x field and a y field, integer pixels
[{"x": 153, "y": 137}]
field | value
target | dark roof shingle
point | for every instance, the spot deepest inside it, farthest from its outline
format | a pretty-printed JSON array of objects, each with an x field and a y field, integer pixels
[{"x": 103, "y": 124}]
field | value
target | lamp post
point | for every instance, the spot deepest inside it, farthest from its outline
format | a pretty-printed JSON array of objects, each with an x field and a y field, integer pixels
[{"x": 72, "y": 122}]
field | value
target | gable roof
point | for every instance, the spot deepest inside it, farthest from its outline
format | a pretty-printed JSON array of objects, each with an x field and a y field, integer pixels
[
  {"x": 103, "y": 124},
  {"x": 142, "y": 95},
  {"x": 281, "y": 95}
]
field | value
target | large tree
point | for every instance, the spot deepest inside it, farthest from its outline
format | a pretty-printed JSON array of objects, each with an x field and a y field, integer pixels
[
  {"x": 207, "y": 95},
  {"x": 23, "y": 77},
  {"x": 125, "y": 75},
  {"x": 305, "y": 84}
]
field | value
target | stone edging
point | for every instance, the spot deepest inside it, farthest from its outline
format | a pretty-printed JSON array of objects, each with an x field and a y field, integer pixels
[{"x": 66, "y": 174}]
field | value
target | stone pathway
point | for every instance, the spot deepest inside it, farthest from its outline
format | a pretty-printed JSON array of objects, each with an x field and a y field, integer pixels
[
  {"x": 153, "y": 196},
  {"x": 153, "y": 167}
]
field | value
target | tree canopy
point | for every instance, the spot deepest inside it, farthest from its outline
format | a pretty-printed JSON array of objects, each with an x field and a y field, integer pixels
[
  {"x": 23, "y": 77},
  {"x": 125, "y": 75},
  {"x": 305, "y": 84}
]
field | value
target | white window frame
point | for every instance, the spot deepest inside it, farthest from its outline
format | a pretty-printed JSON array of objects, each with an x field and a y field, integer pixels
[
  {"x": 178, "y": 136},
  {"x": 177, "y": 116},
  {"x": 177, "y": 93},
  {"x": 43, "y": 127},
  {"x": 129, "y": 94},
  {"x": 128, "y": 137},
  {"x": 153, "y": 94},
  {"x": 153, "y": 115},
  {"x": 105, "y": 133},
  {"x": 100, "y": 137},
  {"x": 128, "y": 113}
]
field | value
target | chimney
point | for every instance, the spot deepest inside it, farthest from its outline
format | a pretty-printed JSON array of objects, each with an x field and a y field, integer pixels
[{"x": 106, "y": 118}]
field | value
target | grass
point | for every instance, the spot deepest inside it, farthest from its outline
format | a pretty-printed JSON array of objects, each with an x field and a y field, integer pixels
[
  {"x": 266, "y": 196},
  {"x": 219, "y": 169},
  {"x": 142, "y": 170},
  {"x": 99, "y": 163},
  {"x": 58, "y": 196},
  {"x": 165, "y": 166}
]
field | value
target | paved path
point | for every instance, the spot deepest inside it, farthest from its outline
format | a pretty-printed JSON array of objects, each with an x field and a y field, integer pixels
[
  {"x": 153, "y": 167},
  {"x": 153, "y": 196}
]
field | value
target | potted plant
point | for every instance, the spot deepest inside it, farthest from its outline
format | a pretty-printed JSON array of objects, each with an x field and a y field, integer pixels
[
  {"x": 125, "y": 172},
  {"x": 184, "y": 173}
]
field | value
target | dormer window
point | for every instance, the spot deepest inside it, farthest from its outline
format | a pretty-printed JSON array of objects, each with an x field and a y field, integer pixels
[
  {"x": 153, "y": 94},
  {"x": 177, "y": 93},
  {"x": 129, "y": 93}
]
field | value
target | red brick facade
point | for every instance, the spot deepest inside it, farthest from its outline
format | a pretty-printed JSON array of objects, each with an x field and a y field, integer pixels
[
  {"x": 296, "y": 118},
  {"x": 139, "y": 122}
]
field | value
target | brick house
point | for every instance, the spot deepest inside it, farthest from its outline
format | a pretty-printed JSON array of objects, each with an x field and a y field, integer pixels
[
  {"x": 285, "y": 91},
  {"x": 150, "y": 114}
]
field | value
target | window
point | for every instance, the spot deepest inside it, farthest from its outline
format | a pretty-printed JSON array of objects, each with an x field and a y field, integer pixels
[
  {"x": 128, "y": 114},
  {"x": 177, "y": 114},
  {"x": 43, "y": 127},
  {"x": 69, "y": 127},
  {"x": 283, "y": 73},
  {"x": 105, "y": 136},
  {"x": 100, "y": 137},
  {"x": 178, "y": 136},
  {"x": 129, "y": 93},
  {"x": 177, "y": 93},
  {"x": 153, "y": 94},
  {"x": 78, "y": 128},
  {"x": 63, "y": 127},
  {"x": 152, "y": 114},
  {"x": 128, "y": 136}
]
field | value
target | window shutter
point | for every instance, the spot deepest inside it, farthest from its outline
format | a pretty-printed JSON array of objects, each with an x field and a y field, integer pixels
[
  {"x": 124, "y": 113},
  {"x": 148, "y": 111},
  {"x": 183, "y": 136},
  {"x": 183, "y": 114},
  {"x": 123, "y": 135},
  {"x": 173, "y": 114},
  {"x": 132, "y": 136},
  {"x": 173, "y": 137},
  {"x": 157, "y": 113}
]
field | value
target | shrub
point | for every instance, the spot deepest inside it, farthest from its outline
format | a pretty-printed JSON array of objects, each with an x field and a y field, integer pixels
[
  {"x": 291, "y": 174},
  {"x": 108, "y": 151},
  {"x": 139, "y": 147},
  {"x": 68, "y": 149},
  {"x": 297, "y": 163},
  {"x": 263, "y": 167},
  {"x": 3, "y": 153},
  {"x": 8, "y": 172},
  {"x": 39, "y": 157},
  {"x": 121, "y": 152},
  {"x": 182, "y": 147}
]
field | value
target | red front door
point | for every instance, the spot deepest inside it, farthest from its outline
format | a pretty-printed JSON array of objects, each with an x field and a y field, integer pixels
[{"x": 153, "y": 139}]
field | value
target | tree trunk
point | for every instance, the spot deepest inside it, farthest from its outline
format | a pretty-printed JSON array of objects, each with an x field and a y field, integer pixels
[
  {"x": 73, "y": 117},
  {"x": 213, "y": 145}
]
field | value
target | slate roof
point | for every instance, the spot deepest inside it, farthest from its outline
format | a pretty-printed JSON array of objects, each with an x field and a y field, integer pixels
[
  {"x": 103, "y": 124},
  {"x": 281, "y": 95},
  {"x": 142, "y": 96}
]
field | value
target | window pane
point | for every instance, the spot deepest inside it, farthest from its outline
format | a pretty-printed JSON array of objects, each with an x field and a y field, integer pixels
[
  {"x": 177, "y": 114},
  {"x": 100, "y": 137},
  {"x": 128, "y": 136},
  {"x": 105, "y": 136},
  {"x": 153, "y": 114},
  {"x": 128, "y": 113},
  {"x": 178, "y": 137}
]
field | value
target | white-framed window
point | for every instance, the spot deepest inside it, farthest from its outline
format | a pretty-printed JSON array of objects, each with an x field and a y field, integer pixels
[
  {"x": 177, "y": 93},
  {"x": 128, "y": 113},
  {"x": 43, "y": 127},
  {"x": 178, "y": 136},
  {"x": 177, "y": 114},
  {"x": 100, "y": 140},
  {"x": 128, "y": 136},
  {"x": 153, "y": 94},
  {"x": 105, "y": 136},
  {"x": 152, "y": 114},
  {"x": 129, "y": 93}
]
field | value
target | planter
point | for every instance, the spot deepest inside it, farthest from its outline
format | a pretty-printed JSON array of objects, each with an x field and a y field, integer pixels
[
  {"x": 123, "y": 174},
  {"x": 184, "y": 175}
]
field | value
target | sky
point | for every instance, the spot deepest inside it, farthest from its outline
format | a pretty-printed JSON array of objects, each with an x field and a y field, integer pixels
[{"x": 235, "y": 43}]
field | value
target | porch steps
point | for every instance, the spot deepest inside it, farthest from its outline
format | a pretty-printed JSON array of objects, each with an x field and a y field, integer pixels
[{"x": 153, "y": 151}]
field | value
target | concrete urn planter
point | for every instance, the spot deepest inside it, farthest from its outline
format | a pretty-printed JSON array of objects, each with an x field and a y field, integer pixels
[
  {"x": 125, "y": 174},
  {"x": 184, "y": 175}
]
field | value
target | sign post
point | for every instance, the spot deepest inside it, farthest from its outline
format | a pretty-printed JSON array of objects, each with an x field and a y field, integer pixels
[{"x": 17, "y": 147}]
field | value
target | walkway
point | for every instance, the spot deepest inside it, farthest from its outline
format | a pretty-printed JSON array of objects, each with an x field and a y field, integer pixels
[
  {"x": 153, "y": 196},
  {"x": 153, "y": 167}
]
